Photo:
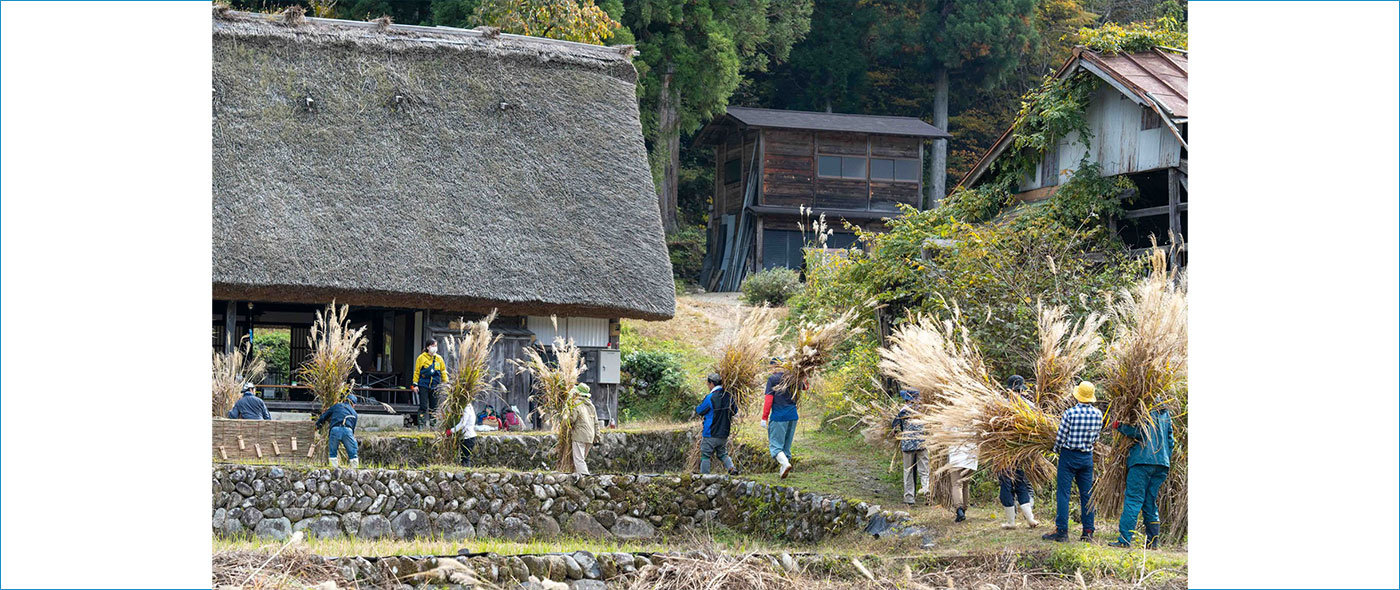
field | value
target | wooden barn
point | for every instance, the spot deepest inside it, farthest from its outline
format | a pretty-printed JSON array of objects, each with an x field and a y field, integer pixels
[
  {"x": 768, "y": 162},
  {"x": 423, "y": 175},
  {"x": 1137, "y": 119}
]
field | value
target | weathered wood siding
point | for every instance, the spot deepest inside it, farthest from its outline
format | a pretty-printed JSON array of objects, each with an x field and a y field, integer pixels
[
  {"x": 789, "y": 167},
  {"x": 790, "y": 170},
  {"x": 1119, "y": 143}
]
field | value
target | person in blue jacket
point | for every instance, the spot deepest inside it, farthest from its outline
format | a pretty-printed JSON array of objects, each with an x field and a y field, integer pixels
[
  {"x": 250, "y": 406},
  {"x": 718, "y": 408},
  {"x": 342, "y": 419},
  {"x": 1148, "y": 462}
]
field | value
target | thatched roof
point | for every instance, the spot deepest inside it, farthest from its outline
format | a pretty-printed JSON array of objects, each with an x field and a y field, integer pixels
[{"x": 431, "y": 168}]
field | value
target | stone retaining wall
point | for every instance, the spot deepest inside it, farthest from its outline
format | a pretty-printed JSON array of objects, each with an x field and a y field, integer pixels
[
  {"x": 652, "y": 451},
  {"x": 272, "y": 501}
]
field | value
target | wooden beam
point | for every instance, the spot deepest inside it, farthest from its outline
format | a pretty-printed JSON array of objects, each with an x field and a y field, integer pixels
[
  {"x": 230, "y": 325},
  {"x": 1146, "y": 212},
  {"x": 1174, "y": 204}
]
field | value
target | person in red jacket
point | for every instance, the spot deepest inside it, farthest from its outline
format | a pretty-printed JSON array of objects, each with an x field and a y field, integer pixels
[{"x": 780, "y": 418}]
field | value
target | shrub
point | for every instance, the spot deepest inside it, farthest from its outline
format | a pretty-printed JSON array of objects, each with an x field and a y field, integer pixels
[
  {"x": 687, "y": 250},
  {"x": 654, "y": 383},
  {"x": 773, "y": 286}
]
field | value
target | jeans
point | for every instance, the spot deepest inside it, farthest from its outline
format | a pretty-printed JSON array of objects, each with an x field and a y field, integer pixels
[
  {"x": 468, "y": 444},
  {"x": 1015, "y": 489},
  {"x": 915, "y": 467},
  {"x": 340, "y": 435},
  {"x": 714, "y": 447},
  {"x": 1144, "y": 481},
  {"x": 1075, "y": 468},
  {"x": 780, "y": 437}
]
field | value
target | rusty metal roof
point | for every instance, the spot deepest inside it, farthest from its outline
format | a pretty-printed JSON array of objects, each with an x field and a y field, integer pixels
[{"x": 1155, "y": 78}]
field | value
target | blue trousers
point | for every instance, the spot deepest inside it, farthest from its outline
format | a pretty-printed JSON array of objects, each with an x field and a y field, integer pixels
[
  {"x": 341, "y": 435},
  {"x": 1015, "y": 489},
  {"x": 1144, "y": 481},
  {"x": 780, "y": 437},
  {"x": 1075, "y": 468}
]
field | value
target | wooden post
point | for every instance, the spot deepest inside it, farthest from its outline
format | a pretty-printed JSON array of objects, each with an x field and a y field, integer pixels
[
  {"x": 230, "y": 325},
  {"x": 1174, "y": 208}
]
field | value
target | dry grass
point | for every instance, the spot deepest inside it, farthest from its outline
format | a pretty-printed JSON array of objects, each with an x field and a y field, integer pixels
[
  {"x": 230, "y": 371},
  {"x": 1144, "y": 370},
  {"x": 815, "y": 343},
  {"x": 938, "y": 358},
  {"x": 469, "y": 377},
  {"x": 335, "y": 348},
  {"x": 744, "y": 355},
  {"x": 291, "y": 568},
  {"x": 556, "y": 397},
  {"x": 1065, "y": 348}
]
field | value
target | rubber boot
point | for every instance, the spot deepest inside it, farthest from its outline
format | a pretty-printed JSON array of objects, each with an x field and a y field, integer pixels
[
  {"x": 335, "y": 462},
  {"x": 962, "y": 514},
  {"x": 784, "y": 465},
  {"x": 1010, "y": 522},
  {"x": 1153, "y": 530},
  {"x": 355, "y": 463},
  {"x": 1029, "y": 516}
]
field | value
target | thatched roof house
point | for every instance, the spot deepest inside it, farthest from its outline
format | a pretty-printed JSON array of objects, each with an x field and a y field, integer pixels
[{"x": 429, "y": 170}]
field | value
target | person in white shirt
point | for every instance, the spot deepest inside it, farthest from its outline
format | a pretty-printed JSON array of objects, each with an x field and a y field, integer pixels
[
  {"x": 466, "y": 427},
  {"x": 963, "y": 459}
]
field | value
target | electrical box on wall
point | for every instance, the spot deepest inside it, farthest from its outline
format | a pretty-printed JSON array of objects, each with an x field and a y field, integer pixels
[{"x": 609, "y": 366}]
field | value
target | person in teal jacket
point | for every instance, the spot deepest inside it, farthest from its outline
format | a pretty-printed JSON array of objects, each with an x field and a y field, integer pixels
[{"x": 1148, "y": 461}]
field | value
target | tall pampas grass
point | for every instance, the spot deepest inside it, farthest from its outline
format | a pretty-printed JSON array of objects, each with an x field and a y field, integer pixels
[
  {"x": 1065, "y": 348},
  {"x": 556, "y": 397},
  {"x": 938, "y": 358},
  {"x": 469, "y": 376},
  {"x": 813, "y": 348},
  {"x": 1144, "y": 370},
  {"x": 230, "y": 371},
  {"x": 744, "y": 356},
  {"x": 335, "y": 348}
]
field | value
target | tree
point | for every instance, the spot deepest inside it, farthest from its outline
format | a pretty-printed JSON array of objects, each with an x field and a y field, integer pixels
[
  {"x": 691, "y": 55},
  {"x": 570, "y": 20}
]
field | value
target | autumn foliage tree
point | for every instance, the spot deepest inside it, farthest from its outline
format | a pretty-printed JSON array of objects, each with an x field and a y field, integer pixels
[{"x": 570, "y": 20}]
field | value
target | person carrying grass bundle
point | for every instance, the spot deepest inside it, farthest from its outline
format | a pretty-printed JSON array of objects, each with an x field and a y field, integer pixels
[
  {"x": 585, "y": 429},
  {"x": 780, "y": 418},
  {"x": 962, "y": 461},
  {"x": 466, "y": 427},
  {"x": 342, "y": 418},
  {"x": 250, "y": 406},
  {"x": 718, "y": 408},
  {"x": 1148, "y": 461},
  {"x": 427, "y": 376},
  {"x": 1074, "y": 441},
  {"x": 1015, "y": 488},
  {"x": 911, "y": 446}
]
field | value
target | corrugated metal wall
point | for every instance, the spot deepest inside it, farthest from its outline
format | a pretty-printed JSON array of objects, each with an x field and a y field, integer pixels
[{"x": 1119, "y": 143}]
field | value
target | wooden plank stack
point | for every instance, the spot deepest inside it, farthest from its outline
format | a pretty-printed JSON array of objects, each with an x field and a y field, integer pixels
[{"x": 266, "y": 441}]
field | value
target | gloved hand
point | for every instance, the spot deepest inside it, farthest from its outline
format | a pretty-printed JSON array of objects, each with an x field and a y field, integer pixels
[
  {"x": 1115, "y": 424},
  {"x": 763, "y": 423},
  {"x": 449, "y": 432}
]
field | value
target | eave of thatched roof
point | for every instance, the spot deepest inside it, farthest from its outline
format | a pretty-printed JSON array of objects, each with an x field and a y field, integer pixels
[{"x": 431, "y": 168}]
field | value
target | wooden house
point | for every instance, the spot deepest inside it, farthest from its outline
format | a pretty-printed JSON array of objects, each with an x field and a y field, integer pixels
[
  {"x": 424, "y": 175},
  {"x": 1137, "y": 120},
  {"x": 768, "y": 163}
]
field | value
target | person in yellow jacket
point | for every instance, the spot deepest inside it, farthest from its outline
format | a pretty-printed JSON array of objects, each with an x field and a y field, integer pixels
[{"x": 427, "y": 376}]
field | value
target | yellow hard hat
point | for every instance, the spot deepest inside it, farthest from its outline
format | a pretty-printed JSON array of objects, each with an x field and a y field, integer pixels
[{"x": 1084, "y": 392}]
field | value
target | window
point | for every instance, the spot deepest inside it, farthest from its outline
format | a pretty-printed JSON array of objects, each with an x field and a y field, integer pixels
[
  {"x": 896, "y": 170},
  {"x": 841, "y": 167},
  {"x": 1150, "y": 120},
  {"x": 731, "y": 171}
]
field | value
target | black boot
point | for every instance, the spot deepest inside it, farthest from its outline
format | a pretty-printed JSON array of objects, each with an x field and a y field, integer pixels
[
  {"x": 1153, "y": 529},
  {"x": 1058, "y": 536},
  {"x": 962, "y": 515},
  {"x": 734, "y": 471},
  {"x": 1087, "y": 536}
]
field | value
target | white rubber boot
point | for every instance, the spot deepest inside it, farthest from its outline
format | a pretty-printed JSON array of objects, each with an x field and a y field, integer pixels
[
  {"x": 784, "y": 465},
  {"x": 1026, "y": 512},
  {"x": 355, "y": 463},
  {"x": 1010, "y": 522},
  {"x": 335, "y": 462}
]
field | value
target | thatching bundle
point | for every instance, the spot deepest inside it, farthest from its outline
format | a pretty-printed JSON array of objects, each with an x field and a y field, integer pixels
[
  {"x": 468, "y": 375},
  {"x": 744, "y": 356},
  {"x": 938, "y": 358},
  {"x": 335, "y": 348},
  {"x": 1065, "y": 348},
  {"x": 1144, "y": 369},
  {"x": 556, "y": 396},
  {"x": 813, "y": 348},
  {"x": 230, "y": 371}
]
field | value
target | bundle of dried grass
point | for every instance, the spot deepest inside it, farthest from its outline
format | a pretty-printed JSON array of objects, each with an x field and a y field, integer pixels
[
  {"x": 815, "y": 343},
  {"x": 874, "y": 416},
  {"x": 1065, "y": 348},
  {"x": 468, "y": 377},
  {"x": 230, "y": 371},
  {"x": 1172, "y": 507},
  {"x": 938, "y": 358},
  {"x": 335, "y": 348},
  {"x": 556, "y": 397},
  {"x": 1144, "y": 370},
  {"x": 744, "y": 357}
]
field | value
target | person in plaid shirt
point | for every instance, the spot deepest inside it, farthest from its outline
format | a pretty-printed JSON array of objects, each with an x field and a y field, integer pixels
[{"x": 1079, "y": 430}]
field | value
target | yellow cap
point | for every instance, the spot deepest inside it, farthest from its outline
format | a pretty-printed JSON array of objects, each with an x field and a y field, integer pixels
[{"x": 1084, "y": 392}]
